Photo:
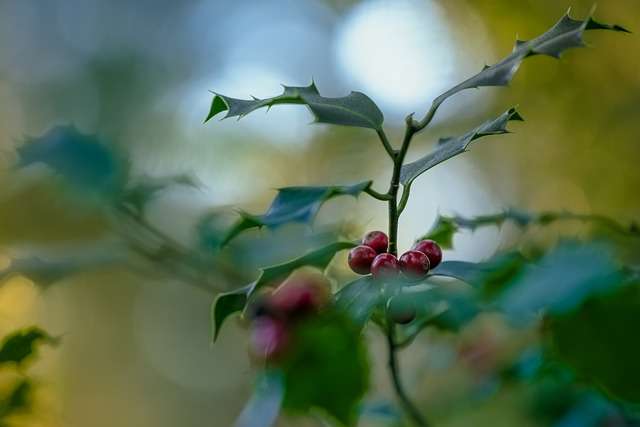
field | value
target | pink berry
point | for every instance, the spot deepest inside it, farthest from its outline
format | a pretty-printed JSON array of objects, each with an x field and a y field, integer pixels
[
  {"x": 299, "y": 295},
  {"x": 414, "y": 265},
  {"x": 431, "y": 250},
  {"x": 269, "y": 337},
  {"x": 384, "y": 266},
  {"x": 376, "y": 240},
  {"x": 360, "y": 259}
]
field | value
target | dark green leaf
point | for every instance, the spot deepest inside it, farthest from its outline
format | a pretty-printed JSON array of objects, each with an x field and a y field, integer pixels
[
  {"x": 461, "y": 270},
  {"x": 264, "y": 406},
  {"x": 294, "y": 204},
  {"x": 229, "y": 303},
  {"x": 359, "y": 298},
  {"x": 83, "y": 161},
  {"x": 327, "y": 368},
  {"x": 16, "y": 401},
  {"x": 355, "y": 109},
  {"x": 21, "y": 345},
  {"x": 561, "y": 280},
  {"x": 597, "y": 342},
  {"x": 450, "y": 147},
  {"x": 565, "y": 34}
]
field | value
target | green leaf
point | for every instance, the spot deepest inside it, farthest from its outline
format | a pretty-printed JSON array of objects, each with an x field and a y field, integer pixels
[
  {"x": 294, "y": 204},
  {"x": 18, "y": 347},
  {"x": 451, "y": 147},
  {"x": 442, "y": 232},
  {"x": 355, "y": 109},
  {"x": 359, "y": 298},
  {"x": 86, "y": 163},
  {"x": 264, "y": 406},
  {"x": 561, "y": 280},
  {"x": 146, "y": 188},
  {"x": 565, "y": 34},
  {"x": 597, "y": 343},
  {"x": 232, "y": 302},
  {"x": 327, "y": 368},
  {"x": 16, "y": 401}
]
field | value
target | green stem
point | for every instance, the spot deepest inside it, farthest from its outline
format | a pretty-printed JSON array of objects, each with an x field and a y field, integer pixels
[
  {"x": 408, "y": 406},
  {"x": 385, "y": 142}
]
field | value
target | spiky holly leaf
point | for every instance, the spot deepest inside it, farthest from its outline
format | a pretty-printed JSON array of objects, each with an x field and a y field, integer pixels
[
  {"x": 293, "y": 204},
  {"x": 450, "y": 147},
  {"x": 235, "y": 301},
  {"x": 21, "y": 345},
  {"x": 359, "y": 298},
  {"x": 86, "y": 163},
  {"x": 355, "y": 109},
  {"x": 565, "y": 34}
]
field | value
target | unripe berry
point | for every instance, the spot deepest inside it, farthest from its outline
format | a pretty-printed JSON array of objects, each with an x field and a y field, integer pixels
[
  {"x": 376, "y": 240},
  {"x": 401, "y": 309},
  {"x": 384, "y": 266},
  {"x": 269, "y": 338},
  {"x": 431, "y": 250},
  {"x": 414, "y": 265},
  {"x": 360, "y": 259}
]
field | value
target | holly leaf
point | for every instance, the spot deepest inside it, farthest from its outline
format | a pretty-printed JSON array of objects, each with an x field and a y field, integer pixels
[
  {"x": 232, "y": 302},
  {"x": 442, "y": 232},
  {"x": 567, "y": 33},
  {"x": 145, "y": 189},
  {"x": 19, "y": 346},
  {"x": 17, "y": 400},
  {"x": 359, "y": 298},
  {"x": 86, "y": 163},
  {"x": 264, "y": 406},
  {"x": 293, "y": 204},
  {"x": 355, "y": 109},
  {"x": 594, "y": 341},
  {"x": 453, "y": 146},
  {"x": 561, "y": 280},
  {"x": 327, "y": 368}
]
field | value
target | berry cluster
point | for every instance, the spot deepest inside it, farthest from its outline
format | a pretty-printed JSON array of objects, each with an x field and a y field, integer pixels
[
  {"x": 372, "y": 257},
  {"x": 274, "y": 312}
]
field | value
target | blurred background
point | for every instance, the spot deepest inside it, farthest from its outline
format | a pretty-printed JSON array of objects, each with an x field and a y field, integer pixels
[{"x": 135, "y": 348}]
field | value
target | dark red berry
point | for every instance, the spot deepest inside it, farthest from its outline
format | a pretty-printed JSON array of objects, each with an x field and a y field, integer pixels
[
  {"x": 401, "y": 309},
  {"x": 384, "y": 266},
  {"x": 299, "y": 295},
  {"x": 414, "y": 265},
  {"x": 269, "y": 337},
  {"x": 360, "y": 259},
  {"x": 431, "y": 250},
  {"x": 376, "y": 240}
]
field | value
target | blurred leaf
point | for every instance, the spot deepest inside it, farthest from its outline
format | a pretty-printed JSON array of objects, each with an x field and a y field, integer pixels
[
  {"x": 597, "y": 342},
  {"x": 327, "y": 368},
  {"x": 232, "y": 302},
  {"x": 264, "y": 406},
  {"x": 355, "y": 109},
  {"x": 143, "y": 190},
  {"x": 565, "y": 34},
  {"x": 562, "y": 279},
  {"x": 359, "y": 298},
  {"x": 293, "y": 204},
  {"x": 16, "y": 401},
  {"x": 19, "y": 346},
  {"x": 451, "y": 147},
  {"x": 442, "y": 232},
  {"x": 82, "y": 160}
]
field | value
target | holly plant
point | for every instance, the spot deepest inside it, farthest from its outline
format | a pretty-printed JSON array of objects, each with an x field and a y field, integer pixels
[{"x": 308, "y": 341}]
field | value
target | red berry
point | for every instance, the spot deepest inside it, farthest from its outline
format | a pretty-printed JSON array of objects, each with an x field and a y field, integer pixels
[
  {"x": 431, "y": 250},
  {"x": 269, "y": 337},
  {"x": 376, "y": 240},
  {"x": 360, "y": 259},
  {"x": 414, "y": 265},
  {"x": 384, "y": 266},
  {"x": 401, "y": 309},
  {"x": 298, "y": 295}
]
